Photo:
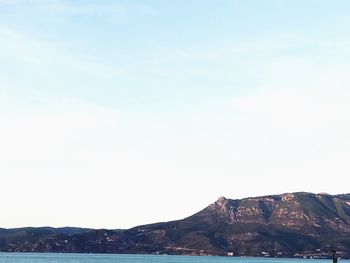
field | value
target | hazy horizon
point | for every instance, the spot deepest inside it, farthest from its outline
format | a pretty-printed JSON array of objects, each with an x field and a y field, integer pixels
[
  {"x": 161, "y": 221},
  {"x": 120, "y": 113}
]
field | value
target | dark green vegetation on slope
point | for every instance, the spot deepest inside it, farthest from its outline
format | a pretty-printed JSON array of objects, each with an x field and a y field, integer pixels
[{"x": 288, "y": 225}]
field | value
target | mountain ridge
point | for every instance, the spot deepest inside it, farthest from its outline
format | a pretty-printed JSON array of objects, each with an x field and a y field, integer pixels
[{"x": 299, "y": 224}]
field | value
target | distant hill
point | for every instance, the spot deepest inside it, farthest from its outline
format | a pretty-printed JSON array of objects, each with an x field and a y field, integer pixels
[{"x": 286, "y": 225}]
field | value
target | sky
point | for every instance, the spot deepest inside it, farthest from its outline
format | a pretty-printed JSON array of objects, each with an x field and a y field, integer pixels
[{"x": 120, "y": 113}]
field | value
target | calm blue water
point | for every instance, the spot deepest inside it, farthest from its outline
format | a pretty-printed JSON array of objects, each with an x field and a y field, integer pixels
[{"x": 92, "y": 258}]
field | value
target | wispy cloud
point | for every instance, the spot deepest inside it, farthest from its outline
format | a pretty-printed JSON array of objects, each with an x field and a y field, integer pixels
[
  {"x": 69, "y": 8},
  {"x": 9, "y": 2},
  {"x": 30, "y": 52},
  {"x": 27, "y": 2},
  {"x": 81, "y": 8}
]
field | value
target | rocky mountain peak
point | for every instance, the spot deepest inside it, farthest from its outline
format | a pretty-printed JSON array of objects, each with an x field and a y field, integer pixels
[
  {"x": 288, "y": 197},
  {"x": 221, "y": 201}
]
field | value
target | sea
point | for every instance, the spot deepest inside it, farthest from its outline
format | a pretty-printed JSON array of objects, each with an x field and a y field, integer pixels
[{"x": 109, "y": 258}]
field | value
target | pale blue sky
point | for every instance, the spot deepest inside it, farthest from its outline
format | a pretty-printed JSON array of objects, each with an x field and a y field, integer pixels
[{"x": 145, "y": 111}]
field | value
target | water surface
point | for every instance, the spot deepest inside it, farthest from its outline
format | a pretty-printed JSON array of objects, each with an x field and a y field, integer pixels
[{"x": 99, "y": 258}]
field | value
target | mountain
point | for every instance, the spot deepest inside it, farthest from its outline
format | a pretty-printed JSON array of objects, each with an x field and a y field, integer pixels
[{"x": 286, "y": 225}]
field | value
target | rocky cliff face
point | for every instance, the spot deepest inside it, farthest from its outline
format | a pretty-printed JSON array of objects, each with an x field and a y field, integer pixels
[
  {"x": 287, "y": 225},
  {"x": 291, "y": 211},
  {"x": 292, "y": 224}
]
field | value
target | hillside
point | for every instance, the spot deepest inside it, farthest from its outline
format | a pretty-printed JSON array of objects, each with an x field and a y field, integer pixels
[{"x": 287, "y": 225}]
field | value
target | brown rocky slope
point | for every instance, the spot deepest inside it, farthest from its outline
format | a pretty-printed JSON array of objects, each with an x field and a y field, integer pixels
[{"x": 286, "y": 225}]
